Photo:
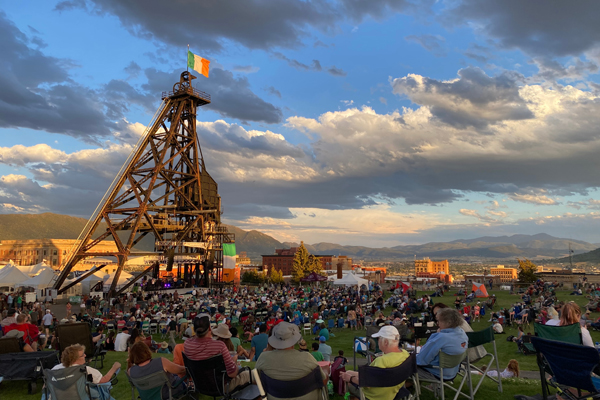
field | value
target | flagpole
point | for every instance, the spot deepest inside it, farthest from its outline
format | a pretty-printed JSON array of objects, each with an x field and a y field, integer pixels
[{"x": 187, "y": 68}]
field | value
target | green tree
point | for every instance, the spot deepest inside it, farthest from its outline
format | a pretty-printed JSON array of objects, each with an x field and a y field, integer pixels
[
  {"x": 527, "y": 271},
  {"x": 305, "y": 263},
  {"x": 276, "y": 276},
  {"x": 253, "y": 277}
]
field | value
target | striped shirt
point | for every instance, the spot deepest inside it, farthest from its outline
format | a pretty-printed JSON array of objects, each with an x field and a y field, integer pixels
[{"x": 205, "y": 347}]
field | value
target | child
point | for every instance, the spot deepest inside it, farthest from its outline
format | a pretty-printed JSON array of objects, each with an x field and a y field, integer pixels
[
  {"x": 316, "y": 353},
  {"x": 164, "y": 348},
  {"x": 511, "y": 371},
  {"x": 341, "y": 355}
]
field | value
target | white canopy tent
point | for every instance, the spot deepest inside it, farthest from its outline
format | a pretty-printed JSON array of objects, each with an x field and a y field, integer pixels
[
  {"x": 351, "y": 280},
  {"x": 9, "y": 263},
  {"x": 10, "y": 276},
  {"x": 87, "y": 284},
  {"x": 40, "y": 281},
  {"x": 33, "y": 270},
  {"x": 123, "y": 278}
]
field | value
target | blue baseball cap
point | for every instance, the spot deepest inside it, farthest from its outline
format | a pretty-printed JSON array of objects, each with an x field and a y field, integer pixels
[{"x": 322, "y": 339}]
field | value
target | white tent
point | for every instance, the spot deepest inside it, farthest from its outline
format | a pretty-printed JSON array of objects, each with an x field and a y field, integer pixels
[
  {"x": 33, "y": 270},
  {"x": 88, "y": 282},
  {"x": 351, "y": 280},
  {"x": 10, "y": 263},
  {"x": 40, "y": 281},
  {"x": 10, "y": 276},
  {"x": 123, "y": 278}
]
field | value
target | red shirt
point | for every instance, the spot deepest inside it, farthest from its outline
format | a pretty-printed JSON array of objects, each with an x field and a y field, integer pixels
[
  {"x": 30, "y": 331},
  {"x": 205, "y": 347}
]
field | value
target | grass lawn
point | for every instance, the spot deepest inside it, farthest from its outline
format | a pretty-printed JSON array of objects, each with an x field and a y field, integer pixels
[{"x": 344, "y": 340}]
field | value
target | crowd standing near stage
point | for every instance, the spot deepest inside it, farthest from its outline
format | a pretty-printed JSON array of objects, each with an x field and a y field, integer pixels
[{"x": 272, "y": 317}]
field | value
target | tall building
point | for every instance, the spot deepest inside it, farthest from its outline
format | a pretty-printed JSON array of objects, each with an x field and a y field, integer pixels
[
  {"x": 432, "y": 267},
  {"x": 283, "y": 260},
  {"x": 345, "y": 261},
  {"x": 505, "y": 274}
]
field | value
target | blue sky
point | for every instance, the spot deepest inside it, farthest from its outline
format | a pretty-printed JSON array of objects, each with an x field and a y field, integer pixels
[{"x": 359, "y": 122}]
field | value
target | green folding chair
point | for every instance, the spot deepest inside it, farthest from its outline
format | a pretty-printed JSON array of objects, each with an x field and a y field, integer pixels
[
  {"x": 448, "y": 361},
  {"x": 567, "y": 333},
  {"x": 479, "y": 338}
]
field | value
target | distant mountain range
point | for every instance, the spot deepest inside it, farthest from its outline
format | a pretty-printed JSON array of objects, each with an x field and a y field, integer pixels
[{"x": 255, "y": 244}]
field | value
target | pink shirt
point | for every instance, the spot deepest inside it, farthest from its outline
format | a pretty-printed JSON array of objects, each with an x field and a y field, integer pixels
[{"x": 202, "y": 348}]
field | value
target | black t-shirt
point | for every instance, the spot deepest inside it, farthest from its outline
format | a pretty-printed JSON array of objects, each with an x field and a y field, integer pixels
[{"x": 173, "y": 325}]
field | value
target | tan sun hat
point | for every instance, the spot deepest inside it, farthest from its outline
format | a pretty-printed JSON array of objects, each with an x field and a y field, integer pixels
[{"x": 222, "y": 331}]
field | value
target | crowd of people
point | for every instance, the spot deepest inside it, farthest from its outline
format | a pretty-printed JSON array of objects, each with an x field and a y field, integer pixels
[{"x": 273, "y": 318}]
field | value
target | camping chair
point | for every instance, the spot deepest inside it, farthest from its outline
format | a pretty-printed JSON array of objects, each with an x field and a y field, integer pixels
[
  {"x": 110, "y": 326},
  {"x": 72, "y": 383},
  {"x": 79, "y": 333},
  {"x": 448, "y": 361},
  {"x": 525, "y": 346},
  {"x": 389, "y": 377},
  {"x": 146, "y": 327},
  {"x": 306, "y": 328},
  {"x": 153, "y": 327},
  {"x": 296, "y": 388},
  {"x": 210, "y": 379},
  {"x": 150, "y": 387},
  {"x": 568, "y": 333},
  {"x": 479, "y": 338},
  {"x": 560, "y": 358},
  {"x": 9, "y": 345},
  {"x": 331, "y": 324}
]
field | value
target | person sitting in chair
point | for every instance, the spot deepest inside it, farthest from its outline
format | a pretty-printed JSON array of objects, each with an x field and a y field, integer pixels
[
  {"x": 141, "y": 363},
  {"x": 19, "y": 334},
  {"x": 392, "y": 357},
  {"x": 449, "y": 338},
  {"x": 202, "y": 347},
  {"x": 284, "y": 363},
  {"x": 75, "y": 355}
]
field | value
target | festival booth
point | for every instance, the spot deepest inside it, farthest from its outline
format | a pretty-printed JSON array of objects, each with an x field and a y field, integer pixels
[
  {"x": 10, "y": 275},
  {"x": 351, "y": 280},
  {"x": 40, "y": 281},
  {"x": 480, "y": 290}
]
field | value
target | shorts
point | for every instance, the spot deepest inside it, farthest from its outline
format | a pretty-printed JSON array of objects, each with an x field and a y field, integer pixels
[{"x": 352, "y": 322}]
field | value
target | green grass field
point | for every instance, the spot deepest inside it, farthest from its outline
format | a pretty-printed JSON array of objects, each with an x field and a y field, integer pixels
[{"x": 344, "y": 340}]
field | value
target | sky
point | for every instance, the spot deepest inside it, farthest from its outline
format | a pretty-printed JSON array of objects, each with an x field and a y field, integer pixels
[{"x": 358, "y": 122}]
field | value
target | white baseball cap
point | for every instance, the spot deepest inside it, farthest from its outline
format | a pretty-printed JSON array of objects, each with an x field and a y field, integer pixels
[{"x": 388, "y": 332}]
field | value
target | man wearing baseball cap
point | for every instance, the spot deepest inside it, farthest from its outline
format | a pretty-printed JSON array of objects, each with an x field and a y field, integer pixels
[
  {"x": 285, "y": 363},
  {"x": 202, "y": 346},
  {"x": 393, "y": 356}
]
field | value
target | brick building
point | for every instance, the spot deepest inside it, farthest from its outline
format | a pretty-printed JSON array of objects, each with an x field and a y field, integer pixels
[
  {"x": 283, "y": 260},
  {"x": 505, "y": 274},
  {"x": 432, "y": 267},
  {"x": 29, "y": 252}
]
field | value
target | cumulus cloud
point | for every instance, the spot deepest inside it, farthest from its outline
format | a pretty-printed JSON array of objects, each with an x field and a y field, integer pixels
[
  {"x": 474, "y": 99},
  {"x": 534, "y": 198}
]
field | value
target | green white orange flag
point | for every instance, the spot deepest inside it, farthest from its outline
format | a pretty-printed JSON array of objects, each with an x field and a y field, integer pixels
[
  {"x": 229, "y": 255},
  {"x": 198, "y": 63}
]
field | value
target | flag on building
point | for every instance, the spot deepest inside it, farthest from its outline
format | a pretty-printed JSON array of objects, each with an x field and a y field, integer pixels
[
  {"x": 198, "y": 63},
  {"x": 229, "y": 255}
]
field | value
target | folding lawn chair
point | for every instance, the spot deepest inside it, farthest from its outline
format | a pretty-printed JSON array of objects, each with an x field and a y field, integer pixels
[
  {"x": 150, "y": 387},
  {"x": 569, "y": 366},
  {"x": 296, "y": 388},
  {"x": 72, "y": 383},
  {"x": 447, "y": 361},
  {"x": 479, "y": 338},
  {"x": 388, "y": 377},
  {"x": 80, "y": 333},
  {"x": 306, "y": 328},
  {"x": 567, "y": 333}
]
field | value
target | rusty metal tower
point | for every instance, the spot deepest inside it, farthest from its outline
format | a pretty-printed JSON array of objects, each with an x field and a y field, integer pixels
[{"x": 164, "y": 190}]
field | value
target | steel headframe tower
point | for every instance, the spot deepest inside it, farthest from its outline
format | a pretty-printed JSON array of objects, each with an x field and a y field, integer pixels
[{"x": 163, "y": 189}]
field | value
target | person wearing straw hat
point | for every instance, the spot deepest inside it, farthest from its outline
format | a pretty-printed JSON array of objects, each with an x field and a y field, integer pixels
[
  {"x": 284, "y": 362},
  {"x": 164, "y": 348}
]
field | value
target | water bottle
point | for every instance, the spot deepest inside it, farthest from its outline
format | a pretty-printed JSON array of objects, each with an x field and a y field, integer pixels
[{"x": 330, "y": 387}]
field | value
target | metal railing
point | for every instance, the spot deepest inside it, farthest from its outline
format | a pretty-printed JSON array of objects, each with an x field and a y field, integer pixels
[{"x": 190, "y": 90}]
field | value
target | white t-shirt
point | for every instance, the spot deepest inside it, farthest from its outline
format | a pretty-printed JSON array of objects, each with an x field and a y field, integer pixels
[
  {"x": 47, "y": 319},
  {"x": 121, "y": 341},
  {"x": 96, "y": 375}
]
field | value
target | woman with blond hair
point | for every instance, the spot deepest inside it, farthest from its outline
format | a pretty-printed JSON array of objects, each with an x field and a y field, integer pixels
[{"x": 571, "y": 314}]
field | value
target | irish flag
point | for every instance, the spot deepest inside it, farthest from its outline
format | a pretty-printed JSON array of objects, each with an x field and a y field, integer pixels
[
  {"x": 198, "y": 63},
  {"x": 228, "y": 255}
]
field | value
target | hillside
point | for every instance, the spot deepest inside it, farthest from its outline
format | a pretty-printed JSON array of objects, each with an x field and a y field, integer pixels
[{"x": 255, "y": 244}]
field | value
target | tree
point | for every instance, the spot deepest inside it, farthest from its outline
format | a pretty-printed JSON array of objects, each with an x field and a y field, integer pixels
[
  {"x": 527, "y": 271},
  {"x": 275, "y": 276},
  {"x": 253, "y": 277},
  {"x": 305, "y": 263}
]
